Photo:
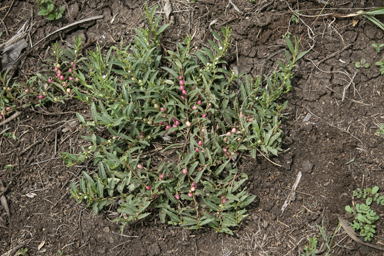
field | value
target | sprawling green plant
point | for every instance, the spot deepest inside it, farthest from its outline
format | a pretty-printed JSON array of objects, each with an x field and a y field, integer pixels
[
  {"x": 208, "y": 116},
  {"x": 365, "y": 217}
]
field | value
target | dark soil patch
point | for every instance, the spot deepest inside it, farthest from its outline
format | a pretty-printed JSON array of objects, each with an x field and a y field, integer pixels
[{"x": 333, "y": 115}]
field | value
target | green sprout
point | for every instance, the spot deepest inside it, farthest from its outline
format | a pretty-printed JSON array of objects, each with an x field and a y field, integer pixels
[
  {"x": 362, "y": 64},
  {"x": 48, "y": 9}
]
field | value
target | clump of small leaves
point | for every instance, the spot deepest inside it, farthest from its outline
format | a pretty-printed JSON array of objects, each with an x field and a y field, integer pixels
[
  {"x": 381, "y": 65},
  {"x": 49, "y": 10},
  {"x": 208, "y": 117},
  {"x": 377, "y": 46},
  {"x": 362, "y": 64},
  {"x": 380, "y": 131},
  {"x": 310, "y": 249},
  {"x": 365, "y": 217}
]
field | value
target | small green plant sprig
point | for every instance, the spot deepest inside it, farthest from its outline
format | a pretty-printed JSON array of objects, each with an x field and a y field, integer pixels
[
  {"x": 362, "y": 64},
  {"x": 49, "y": 10},
  {"x": 381, "y": 65},
  {"x": 310, "y": 249},
  {"x": 380, "y": 131},
  {"x": 138, "y": 96},
  {"x": 377, "y": 46},
  {"x": 365, "y": 217}
]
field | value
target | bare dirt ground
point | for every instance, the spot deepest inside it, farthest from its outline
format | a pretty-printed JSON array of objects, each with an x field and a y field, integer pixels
[{"x": 334, "y": 112}]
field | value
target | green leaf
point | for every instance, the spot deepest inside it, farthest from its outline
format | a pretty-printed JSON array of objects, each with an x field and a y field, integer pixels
[
  {"x": 173, "y": 216},
  {"x": 375, "y": 189},
  {"x": 290, "y": 46},
  {"x": 162, "y": 28},
  {"x": 171, "y": 197},
  {"x": 211, "y": 205},
  {"x": 100, "y": 189}
]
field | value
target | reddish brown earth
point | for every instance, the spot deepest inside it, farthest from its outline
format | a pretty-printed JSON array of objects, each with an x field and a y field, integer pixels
[{"x": 43, "y": 217}]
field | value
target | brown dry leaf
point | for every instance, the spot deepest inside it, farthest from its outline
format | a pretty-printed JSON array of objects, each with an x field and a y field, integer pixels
[
  {"x": 40, "y": 245},
  {"x": 354, "y": 22},
  {"x": 167, "y": 9}
]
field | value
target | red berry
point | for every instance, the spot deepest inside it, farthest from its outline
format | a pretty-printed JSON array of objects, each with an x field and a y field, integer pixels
[
  {"x": 224, "y": 200},
  {"x": 200, "y": 143},
  {"x": 193, "y": 184},
  {"x": 180, "y": 77},
  {"x": 181, "y": 82},
  {"x": 139, "y": 166},
  {"x": 148, "y": 187},
  {"x": 41, "y": 96},
  {"x": 190, "y": 194},
  {"x": 177, "y": 196}
]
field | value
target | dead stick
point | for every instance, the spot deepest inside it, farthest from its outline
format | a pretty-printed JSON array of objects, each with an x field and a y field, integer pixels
[
  {"x": 17, "y": 113},
  {"x": 61, "y": 29}
]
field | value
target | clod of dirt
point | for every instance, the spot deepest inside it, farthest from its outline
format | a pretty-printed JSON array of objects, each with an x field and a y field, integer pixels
[
  {"x": 154, "y": 249},
  {"x": 307, "y": 167}
]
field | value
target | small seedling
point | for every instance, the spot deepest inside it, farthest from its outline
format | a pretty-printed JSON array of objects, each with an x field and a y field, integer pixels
[
  {"x": 49, "y": 10},
  {"x": 362, "y": 64},
  {"x": 10, "y": 135},
  {"x": 22, "y": 251},
  {"x": 310, "y": 249},
  {"x": 381, "y": 130},
  {"x": 377, "y": 46},
  {"x": 365, "y": 217},
  {"x": 381, "y": 65}
]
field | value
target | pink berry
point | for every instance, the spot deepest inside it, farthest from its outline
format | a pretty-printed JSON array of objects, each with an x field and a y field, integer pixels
[
  {"x": 61, "y": 77},
  {"x": 193, "y": 189},
  {"x": 70, "y": 78},
  {"x": 77, "y": 79},
  {"x": 161, "y": 176},
  {"x": 41, "y": 96},
  {"x": 49, "y": 80},
  {"x": 7, "y": 109},
  {"x": 199, "y": 102},
  {"x": 72, "y": 63},
  {"x": 229, "y": 133},
  {"x": 139, "y": 166},
  {"x": 174, "y": 125},
  {"x": 250, "y": 119},
  {"x": 160, "y": 123},
  {"x": 190, "y": 194},
  {"x": 177, "y": 122},
  {"x": 74, "y": 66},
  {"x": 182, "y": 87},
  {"x": 156, "y": 106},
  {"x": 148, "y": 187},
  {"x": 204, "y": 116},
  {"x": 193, "y": 87},
  {"x": 193, "y": 184},
  {"x": 164, "y": 115},
  {"x": 177, "y": 196},
  {"x": 224, "y": 200},
  {"x": 200, "y": 143},
  {"x": 224, "y": 149},
  {"x": 165, "y": 123},
  {"x": 217, "y": 128},
  {"x": 185, "y": 171},
  {"x": 162, "y": 109},
  {"x": 233, "y": 129},
  {"x": 194, "y": 107},
  {"x": 199, "y": 169},
  {"x": 168, "y": 127},
  {"x": 58, "y": 75},
  {"x": 27, "y": 91},
  {"x": 1, "y": 117},
  {"x": 70, "y": 70},
  {"x": 197, "y": 150},
  {"x": 184, "y": 92},
  {"x": 181, "y": 82},
  {"x": 183, "y": 97},
  {"x": 64, "y": 84},
  {"x": 180, "y": 77},
  {"x": 59, "y": 72},
  {"x": 55, "y": 69},
  {"x": 173, "y": 119},
  {"x": 188, "y": 123}
]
